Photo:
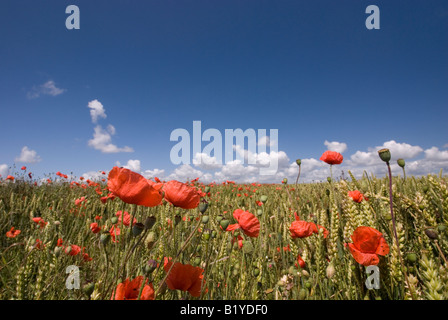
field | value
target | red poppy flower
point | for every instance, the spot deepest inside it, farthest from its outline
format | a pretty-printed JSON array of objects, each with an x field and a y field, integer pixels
[
  {"x": 94, "y": 227},
  {"x": 300, "y": 261},
  {"x": 129, "y": 290},
  {"x": 40, "y": 222},
  {"x": 332, "y": 157},
  {"x": 247, "y": 222},
  {"x": 23, "y": 168},
  {"x": 302, "y": 229},
  {"x": 181, "y": 195},
  {"x": 126, "y": 217},
  {"x": 38, "y": 244},
  {"x": 356, "y": 196},
  {"x": 184, "y": 277},
  {"x": 133, "y": 188},
  {"x": 114, "y": 232},
  {"x": 59, "y": 243},
  {"x": 72, "y": 250},
  {"x": 10, "y": 178},
  {"x": 12, "y": 233},
  {"x": 367, "y": 244}
]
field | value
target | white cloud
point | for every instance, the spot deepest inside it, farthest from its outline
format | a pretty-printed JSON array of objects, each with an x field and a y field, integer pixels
[
  {"x": 102, "y": 141},
  {"x": 205, "y": 162},
  {"x": 266, "y": 141},
  {"x": 94, "y": 175},
  {"x": 186, "y": 172},
  {"x": 336, "y": 146},
  {"x": 434, "y": 154},
  {"x": 151, "y": 174},
  {"x": 401, "y": 150},
  {"x": 96, "y": 110},
  {"x": 4, "y": 170},
  {"x": 28, "y": 156},
  {"x": 133, "y": 165},
  {"x": 48, "y": 88}
]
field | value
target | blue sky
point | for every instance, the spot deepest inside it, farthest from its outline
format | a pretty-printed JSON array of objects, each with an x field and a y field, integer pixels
[{"x": 310, "y": 69}]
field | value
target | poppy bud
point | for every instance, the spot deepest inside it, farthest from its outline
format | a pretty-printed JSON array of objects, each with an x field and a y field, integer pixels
[
  {"x": 177, "y": 219},
  {"x": 256, "y": 272},
  {"x": 214, "y": 234},
  {"x": 285, "y": 181},
  {"x": 57, "y": 251},
  {"x": 149, "y": 222},
  {"x": 308, "y": 284},
  {"x": 150, "y": 240},
  {"x": 327, "y": 192},
  {"x": 330, "y": 271},
  {"x": 219, "y": 218},
  {"x": 248, "y": 247},
  {"x": 302, "y": 294},
  {"x": 224, "y": 224},
  {"x": 401, "y": 162},
  {"x": 425, "y": 188},
  {"x": 206, "y": 235},
  {"x": 411, "y": 257},
  {"x": 150, "y": 267},
  {"x": 207, "y": 189},
  {"x": 299, "y": 162},
  {"x": 431, "y": 233},
  {"x": 259, "y": 212},
  {"x": 88, "y": 288},
  {"x": 105, "y": 237},
  {"x": 114, "y": 220},
  {"x": 384, "y": 155},
  {"x": 137, "y": 228},
  {"x": 441, "y": 227},
  {"x": 203, "y": 207},
  {"x": 329, "y": 179},
  {"x": 264, "y": 198},
  {"x": 205, "y": 219}
]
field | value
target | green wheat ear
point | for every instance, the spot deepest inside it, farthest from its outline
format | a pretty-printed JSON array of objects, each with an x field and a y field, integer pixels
[{"x": 358, "y": 186}]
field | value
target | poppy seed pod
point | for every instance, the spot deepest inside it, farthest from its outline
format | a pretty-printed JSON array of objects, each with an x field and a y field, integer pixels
[
  {"x": 105, "y": 237},
  {"x": 431, "y": 233},
  {"x": 219, "y": 218},
  {"x": 205, "y": 219},
  {"x": 114, "y": 220},
  {"x": 150, "y": 267},
  {"x": 203, "y": 207},
  {"x": 299, "y": 162},
  {"x": 411, "y": 257},
  {"x": 259, "y": 212},
  {"x": 137, "y": 228},
  {"x": 88, "y": 288},
  {"x": 384, "y": 155},
  {"x": 224, "y": 224},
  {"x": 401, "y": 162},
  {"x": 149, "y": 222},
  {"x": 285, "y": 181},
  {"x": 263, "y": 198}
]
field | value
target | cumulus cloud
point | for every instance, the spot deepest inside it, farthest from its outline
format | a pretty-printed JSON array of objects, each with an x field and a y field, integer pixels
[
  {"x": 151, "y": 174},
  {"x": 205, "y": 162},
  {"x": 102, "y": 140},
  {"x": 434, "y": 154},
  {"x": 336, "y": 146},
  {"x": 48, "y": 88},
  {"x": 96, "y": 110},
  {"x": 133, "y": 165},
  {"x": 28, "y": 156},
  {"x": 4, "y": 170},
  {"x": 186, "y": 172}
]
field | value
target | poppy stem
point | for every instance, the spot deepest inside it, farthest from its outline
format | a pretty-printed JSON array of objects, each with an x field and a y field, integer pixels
[
  {"x": 297, "y": 180},
  {"x": 397, "y": 243}
]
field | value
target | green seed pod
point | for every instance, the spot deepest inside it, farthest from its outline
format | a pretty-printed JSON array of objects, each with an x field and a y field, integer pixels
[
  {"x": 114, "y": 220},
  {"x": 411, "y": 257},
  {"x": 149, "y": 222},
  {"x": 214, "y": 234},
  {"x": 88, "y": 288},
  {"x": 329, "y": 179},
  {"x": 327, "y": 191},
  {"x": 441, "y": 227},
  {"x": 292, "y": 270},
  {"x": 198, "y": 248},
  {"x": 149, "y": 267},
  {"x": 196, "y": 261},
  {"x": 259, "y": 212},
  {"x": 203, "y": 207},
  {"x": 425, "y": 188},
  {"x": 264, "y": 198},
  {"x": 219, "y": 218},
  {"x": 137, "y": 228},
  {"x": 205, "y": 219},
  {"x": 224, "y": 224},
  {"x": 308, "y": 285},
  {"x": 401, "y": 162},
  {"x": 105, "y": 238},
  {"x": 299, "y": 162},
  {"x": 388, "y": 216},
  {"x": 384, "y": 155},
  {"x": 206, "y": 235},
  {"x": 256, "y": 272}
]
